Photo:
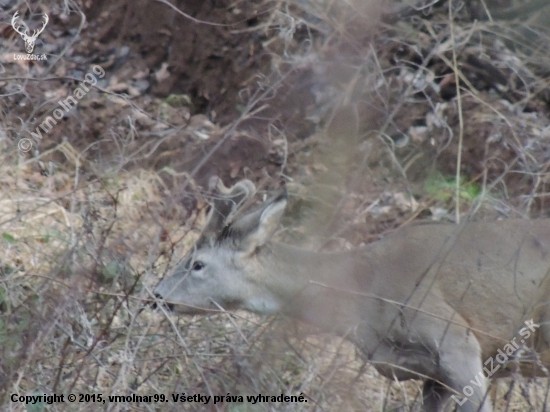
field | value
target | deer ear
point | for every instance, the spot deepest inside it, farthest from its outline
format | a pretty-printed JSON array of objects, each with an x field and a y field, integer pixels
[
  {"x": 254, "y": 229},
  {"x": 225, "y": 202}
]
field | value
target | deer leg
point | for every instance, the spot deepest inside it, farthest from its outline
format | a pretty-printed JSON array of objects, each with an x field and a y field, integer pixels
[
  {"x": 544, "y": 343},
  {"x": 435, "y": 396},
  {"x": 461, "y": 370}
]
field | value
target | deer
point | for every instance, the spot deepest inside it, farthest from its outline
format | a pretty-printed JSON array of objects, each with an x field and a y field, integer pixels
[
  {"x": 450, "y": 304},
  {"x": 29, "y": 40}
]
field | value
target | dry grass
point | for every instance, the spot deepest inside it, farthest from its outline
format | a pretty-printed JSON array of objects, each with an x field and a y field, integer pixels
[{"x": 86, "y": 233}]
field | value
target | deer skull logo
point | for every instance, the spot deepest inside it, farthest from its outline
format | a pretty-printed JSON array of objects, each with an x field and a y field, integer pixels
[{"x": 29, "y": 40}]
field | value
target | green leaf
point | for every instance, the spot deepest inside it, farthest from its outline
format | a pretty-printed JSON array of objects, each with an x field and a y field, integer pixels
[
  {"x": 444, "y": 188},
  {"x": 8, "y": 238}
]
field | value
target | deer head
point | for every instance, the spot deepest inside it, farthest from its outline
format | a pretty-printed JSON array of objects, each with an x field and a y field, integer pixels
[{"x": 217, "y": 272}]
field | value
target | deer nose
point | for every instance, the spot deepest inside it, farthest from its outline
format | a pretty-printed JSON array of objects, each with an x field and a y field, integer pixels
[{"x": 167, "y": 305}]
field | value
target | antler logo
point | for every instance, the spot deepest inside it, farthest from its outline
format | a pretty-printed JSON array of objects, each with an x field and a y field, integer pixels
[{"x": 29, "y": 40}]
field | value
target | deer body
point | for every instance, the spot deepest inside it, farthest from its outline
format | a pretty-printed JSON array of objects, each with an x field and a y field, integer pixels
[{"x": 434, "y": 302}]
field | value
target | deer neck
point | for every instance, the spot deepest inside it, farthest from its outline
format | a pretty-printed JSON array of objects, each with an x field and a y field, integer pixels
[{"x": 316, "y": 288}]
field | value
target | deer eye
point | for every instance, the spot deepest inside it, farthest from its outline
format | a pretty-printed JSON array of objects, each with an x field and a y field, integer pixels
[{"x": 198, "y": 265}]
